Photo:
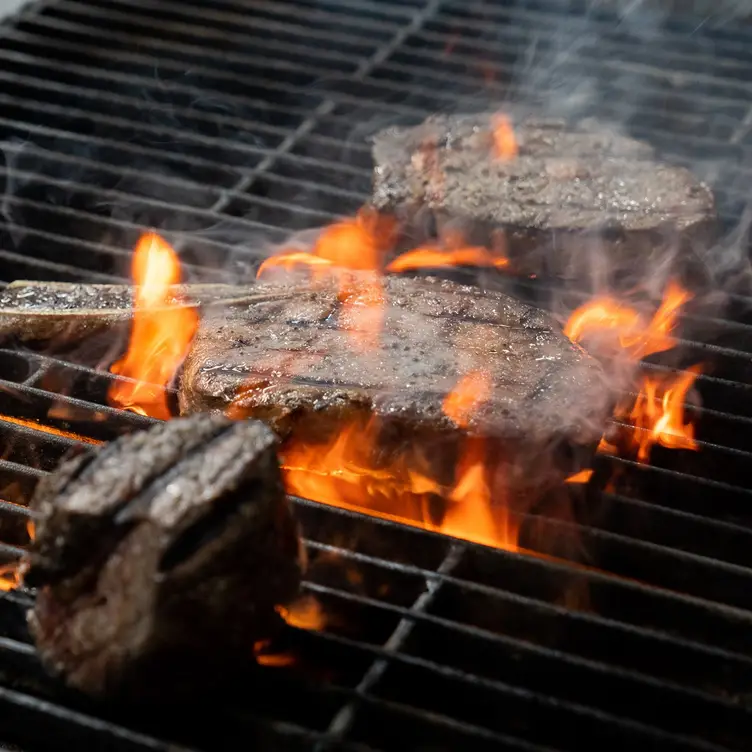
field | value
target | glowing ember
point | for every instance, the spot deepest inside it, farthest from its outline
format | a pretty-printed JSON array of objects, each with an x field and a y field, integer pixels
[
  {"x": 161, "y": 333},
  {"x": 49, "y": 429},
  {"x": 505, "y": 143},
  {"x": 607, "y": 318},
  {"x": 583, "y": 476},
  {"x": 9, "y": 577},
  {"x": 304, "y": 613},
  {"x": 658, "y": 414}
]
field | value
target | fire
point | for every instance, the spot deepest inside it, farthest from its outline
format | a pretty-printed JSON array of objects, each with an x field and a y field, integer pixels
[
  {"x": 304, "y": 613},
  {"x": 471, "y": 391},
  {"x": 583, "y": 476},
  {"x": 435, "y": 258},
  {"x": 658, "y": 414},
  {"x": 637, "y": 337},
  {"x": 349, "y": 470},
  {"x": 505, "y": 143},
  {"x": 358, "y": 243},
  {"x": 10, "y": 578},
  {"x": 161, "y": 333},
  {"x": 49, "y": 429}
]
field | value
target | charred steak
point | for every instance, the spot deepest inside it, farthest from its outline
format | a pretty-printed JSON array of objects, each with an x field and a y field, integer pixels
[
  {"x": 294, "y": 364},
  {"x": 161, "y": 553},
  {"x": 571, "y": 200}
]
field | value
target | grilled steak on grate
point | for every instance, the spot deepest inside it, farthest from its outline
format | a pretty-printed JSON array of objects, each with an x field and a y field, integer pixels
[
  {"x": 571, "y": 200},
  {"x": 66, "y": 312},
  {"x": 293, "y": 363},
  {"x": 161, "y": 553}
]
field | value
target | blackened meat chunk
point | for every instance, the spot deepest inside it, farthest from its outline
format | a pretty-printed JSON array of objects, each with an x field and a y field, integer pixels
[
  {"x": 164, "y": 551},
  {"x": 574, "y": 201}
]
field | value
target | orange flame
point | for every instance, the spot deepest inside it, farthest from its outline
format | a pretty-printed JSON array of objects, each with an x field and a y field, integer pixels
[
  {"x": 472, "y": 389},
  {"x": 357, "y": 243},
  {"x": 161, "y": 333},
  {"x": 49, "y": 429},
  {"x": 505, "y": 143},
  {"x": 304, "y": 612},
  {"x": 658, "y": 414},
  {"x": 583, "y": 476},
  {"x": 349, "y": 470},
  {"x": 10, "y": 579},
  {"x": 435, "y": 258},
  {"x": 637, "y": 337}
]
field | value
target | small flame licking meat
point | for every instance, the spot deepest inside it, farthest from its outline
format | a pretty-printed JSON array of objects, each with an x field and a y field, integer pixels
[{"x": 161, "y": 333}]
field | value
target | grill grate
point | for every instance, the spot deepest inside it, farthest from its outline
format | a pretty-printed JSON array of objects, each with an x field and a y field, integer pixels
[{"x": 228, "y": 124}]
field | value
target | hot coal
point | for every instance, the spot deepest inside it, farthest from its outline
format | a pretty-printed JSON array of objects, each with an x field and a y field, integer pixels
[
  {"x": 573, "y": 200},
  {"x": 297, "y": 364},
  {"x": 160, "y": 557},
  {"x": 68, "y": 312}
]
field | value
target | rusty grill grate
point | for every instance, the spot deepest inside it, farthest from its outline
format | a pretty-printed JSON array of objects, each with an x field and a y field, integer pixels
[{"x": 228, "y": 122}]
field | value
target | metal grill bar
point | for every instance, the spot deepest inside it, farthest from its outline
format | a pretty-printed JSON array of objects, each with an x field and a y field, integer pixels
[{"x": 550, "y": 663}]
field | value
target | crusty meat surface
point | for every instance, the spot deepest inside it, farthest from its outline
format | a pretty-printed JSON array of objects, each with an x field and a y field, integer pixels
[
  {"x": 566, "y": 180},
  {"x": 44, "y": 312},
  {"x": 160, "y": 555},
  {"x": 295, "y": 357}
]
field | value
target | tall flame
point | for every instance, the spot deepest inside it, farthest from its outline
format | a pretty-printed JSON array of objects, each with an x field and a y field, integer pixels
[
  {"x": 657, "y": 414},
  {"x": 161, "y": 335}
]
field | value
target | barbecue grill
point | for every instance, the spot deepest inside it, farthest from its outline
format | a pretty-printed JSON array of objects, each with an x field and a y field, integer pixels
[{"x": 228, "y": 123}]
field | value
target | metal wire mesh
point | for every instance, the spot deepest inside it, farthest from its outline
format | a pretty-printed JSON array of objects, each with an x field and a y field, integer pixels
[{"x": 230, "y": 124}]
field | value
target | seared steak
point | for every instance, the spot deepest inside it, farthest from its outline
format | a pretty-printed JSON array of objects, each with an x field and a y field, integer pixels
[
  {"x": 162, "y": 553},
  {"x": 66, "y": 312},
  {"x": 571, "y": 200},
  {"x": 295, "y": 364}
]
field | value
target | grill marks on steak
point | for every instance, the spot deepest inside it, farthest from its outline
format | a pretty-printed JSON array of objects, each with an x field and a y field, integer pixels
[
  {"x": 291, "y": 359},
  {"x": 566, "y": 184},
  {"x": 168, "y": 548}
]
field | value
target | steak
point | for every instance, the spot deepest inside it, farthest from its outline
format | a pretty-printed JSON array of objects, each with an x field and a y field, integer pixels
[
  {"x": 573, "y": 199},
  {"x": 293, "y": 363},
  {"x": 161, "y": 556},
  {"x": 63, "y": 312}
]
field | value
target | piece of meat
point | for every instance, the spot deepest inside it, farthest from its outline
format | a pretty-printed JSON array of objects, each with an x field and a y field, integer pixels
[
  {"x": 575, "y": 202},
  {"x": 295, "y": 364},
  {"x": 160, "y": 555},
  {"x": 67, "y": 312}
]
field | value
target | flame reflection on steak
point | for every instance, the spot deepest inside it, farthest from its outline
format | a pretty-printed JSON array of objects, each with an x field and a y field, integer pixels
[
  {"x": 161, "y": 334},
  {"x": 505, "y": 142}
]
